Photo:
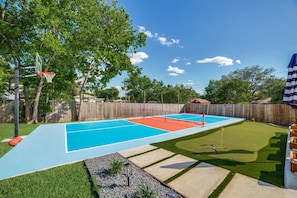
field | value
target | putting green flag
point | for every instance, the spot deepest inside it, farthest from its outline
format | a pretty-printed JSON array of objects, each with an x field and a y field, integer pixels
[{"x": 222, "y": 129}]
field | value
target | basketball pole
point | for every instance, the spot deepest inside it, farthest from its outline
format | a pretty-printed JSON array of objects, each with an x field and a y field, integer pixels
[{"x": 16, "y": 100}]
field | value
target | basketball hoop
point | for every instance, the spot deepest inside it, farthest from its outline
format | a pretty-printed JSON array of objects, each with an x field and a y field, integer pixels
[{"x": 47, "y": 75}]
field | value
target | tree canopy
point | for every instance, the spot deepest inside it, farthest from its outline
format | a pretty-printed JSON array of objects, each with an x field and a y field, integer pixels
[
  {"x": 141, "y": 88},
  {"x": 242, "y": 85},
  {"x": 86, "y": 43}
]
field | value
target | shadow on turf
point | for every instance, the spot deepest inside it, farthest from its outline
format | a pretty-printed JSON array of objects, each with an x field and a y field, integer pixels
[
  {"x": 278, "y": 142},
  {"x": 181, "y": 165}
]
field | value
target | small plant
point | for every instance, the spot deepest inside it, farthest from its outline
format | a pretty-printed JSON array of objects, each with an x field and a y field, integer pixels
[
  {"x": 116, "y": 166},
  {"x": 145, "y": 191}
]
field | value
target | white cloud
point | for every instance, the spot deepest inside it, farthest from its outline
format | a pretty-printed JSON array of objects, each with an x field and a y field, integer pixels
[
  {"x": 146, "y": 32},
  {"x": 173, "y": 74},
  {"x": 223, "y": 61},
  {"x": 164, "y": 41},
  {"x": 190, "y": 82},
  {"x": 188, "y": 63},
  {"x": 175, "y": 71},
  {"x": 238, "y": 61},
  {"x": 175, "y": 60},
  {"x": 138, "y": 57}
]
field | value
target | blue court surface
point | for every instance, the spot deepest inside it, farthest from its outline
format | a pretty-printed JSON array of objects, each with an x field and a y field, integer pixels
[{"x": 53, "y": 145}]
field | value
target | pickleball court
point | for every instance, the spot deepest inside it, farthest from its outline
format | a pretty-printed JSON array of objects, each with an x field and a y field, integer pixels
[{"x": 53, "y": 145}]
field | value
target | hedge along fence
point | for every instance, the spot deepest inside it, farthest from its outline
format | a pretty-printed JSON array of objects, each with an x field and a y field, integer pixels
[{"x": 279, "y": 114}]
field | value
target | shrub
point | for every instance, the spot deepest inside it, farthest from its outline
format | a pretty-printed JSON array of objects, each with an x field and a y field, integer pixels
[
  {"x": 145, "y": 191},
  {"x": 116, "y": 166}
]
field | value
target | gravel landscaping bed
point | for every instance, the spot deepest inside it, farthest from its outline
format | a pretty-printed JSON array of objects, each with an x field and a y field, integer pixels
[{"x": 117, "y": 186}]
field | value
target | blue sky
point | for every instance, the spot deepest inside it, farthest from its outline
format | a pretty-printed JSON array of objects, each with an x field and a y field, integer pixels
[{"x": 194, "y": 41}]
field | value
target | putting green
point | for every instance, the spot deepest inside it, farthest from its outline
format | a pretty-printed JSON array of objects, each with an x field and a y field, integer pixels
[{"x": 237, "y": 142}]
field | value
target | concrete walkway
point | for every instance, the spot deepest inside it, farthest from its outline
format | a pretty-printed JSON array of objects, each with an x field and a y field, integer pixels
[
  {"x": 245, "y": 187},
  {"x": 201, "y": 180}
]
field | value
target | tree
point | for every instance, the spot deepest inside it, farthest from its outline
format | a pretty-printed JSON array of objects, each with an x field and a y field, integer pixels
[
  {"x": 233, "y": 91},
  {"x": 255, "y": 77},
  {"x": 157, "y": 93},
  {"x": 186, "y": 94},
  {"x": 139, "y": 86},
  {"x": 88, "y": 38},
  {"x": 211, "y": 91},
  {"x": 104, "y": 46},
  {"x": 241, "y": 85},
  {"x": 110, "y": 93},
  {"x": 274, "y": 88}
]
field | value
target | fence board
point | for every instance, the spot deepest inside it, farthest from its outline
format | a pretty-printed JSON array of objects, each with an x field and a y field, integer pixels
[{"x": 279, "y": 114}]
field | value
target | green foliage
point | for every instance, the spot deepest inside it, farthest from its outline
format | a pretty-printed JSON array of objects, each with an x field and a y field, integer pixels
[
  {"x": 88, "y": 39},
  {"x": 5, "y": 74},
  {"x": 250, "y": 148},
  {"x": 145, "y": 191},
  {"x": 110, "y": 93},
  {"x": 242, "y": 85},
  {"x": 142, "y": 88},
  {"x": 116, "y": 166},
  {"x": 274, "y": 88},
  {"x": 233, "y": 91},
  {"x": 64, "y": 181},
  {"x": 254, "y": 76}
]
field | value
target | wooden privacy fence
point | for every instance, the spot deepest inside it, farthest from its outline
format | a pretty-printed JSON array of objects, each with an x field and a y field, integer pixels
[
  {"x": 65, "y": 112},
  {"x": 6, "y": 112},
  {"x": 279, "y": 114}
]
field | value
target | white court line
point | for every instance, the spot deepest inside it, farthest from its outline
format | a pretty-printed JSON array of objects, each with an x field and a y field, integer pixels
[{"x": 99, "y": 129}]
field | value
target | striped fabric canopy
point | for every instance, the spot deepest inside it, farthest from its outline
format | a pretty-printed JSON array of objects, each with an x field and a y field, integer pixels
[{"x": 290, "y": 94}]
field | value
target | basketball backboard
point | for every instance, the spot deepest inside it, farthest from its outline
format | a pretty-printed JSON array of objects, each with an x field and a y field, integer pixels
[{"x": 38, "y": 63}]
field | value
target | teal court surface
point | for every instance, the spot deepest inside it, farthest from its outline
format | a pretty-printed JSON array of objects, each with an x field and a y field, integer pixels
[{"x": 53, "y": 145}]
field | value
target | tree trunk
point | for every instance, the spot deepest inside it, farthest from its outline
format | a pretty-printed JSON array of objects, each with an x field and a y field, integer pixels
[
  {"x": 36, "y": 103},
  {"x": 82, "y": 90}
]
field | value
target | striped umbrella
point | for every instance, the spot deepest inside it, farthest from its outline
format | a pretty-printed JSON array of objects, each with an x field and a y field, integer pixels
[{"x": 290, "y": 94}]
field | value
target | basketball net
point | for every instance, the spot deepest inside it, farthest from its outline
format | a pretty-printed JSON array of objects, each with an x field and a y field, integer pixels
[{"x": 47, "y": 75}]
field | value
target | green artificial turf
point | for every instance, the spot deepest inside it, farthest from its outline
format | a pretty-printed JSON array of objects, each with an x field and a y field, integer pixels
[{"x": 251, "y": 148}]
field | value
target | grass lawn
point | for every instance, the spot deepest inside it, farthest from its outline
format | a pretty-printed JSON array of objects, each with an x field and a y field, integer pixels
[
  {"x": 7, "y": 131},
  {"x": 251, "y": 148},
  {"x": 64, "y": 181}
]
